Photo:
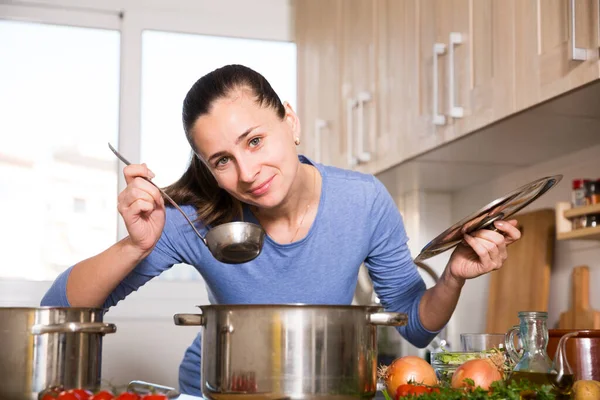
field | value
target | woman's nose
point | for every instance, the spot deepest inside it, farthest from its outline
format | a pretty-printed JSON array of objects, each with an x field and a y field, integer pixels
[{"x": 248, "y": 169}]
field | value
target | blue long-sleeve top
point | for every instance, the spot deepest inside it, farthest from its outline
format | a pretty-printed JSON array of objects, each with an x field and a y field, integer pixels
[{"x": 357, "y": 221}]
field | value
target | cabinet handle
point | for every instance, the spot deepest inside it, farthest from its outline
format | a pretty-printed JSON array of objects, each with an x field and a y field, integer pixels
[
  {"x": 350, "y": 104},
  {"x": 455, "y": 111},
  {"x": 362, "y": 155},
  {"x": 319, "y": 124},
  {"x": 438, "y": 49},
  {"x": 578, "y": 53}
]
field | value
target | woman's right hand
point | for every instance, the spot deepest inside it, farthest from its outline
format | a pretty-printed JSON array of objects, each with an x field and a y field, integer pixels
[{"x": 142, "y": 207}]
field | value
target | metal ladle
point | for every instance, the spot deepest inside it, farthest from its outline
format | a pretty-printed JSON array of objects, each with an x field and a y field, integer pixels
[{"x": 231, "y": 243}]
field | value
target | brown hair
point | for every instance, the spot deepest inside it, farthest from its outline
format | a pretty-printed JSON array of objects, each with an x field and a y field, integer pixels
[{"x": 197, "y": 186}]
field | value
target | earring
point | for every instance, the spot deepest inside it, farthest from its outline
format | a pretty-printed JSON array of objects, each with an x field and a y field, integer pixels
[{"x": 297, "y": 141}]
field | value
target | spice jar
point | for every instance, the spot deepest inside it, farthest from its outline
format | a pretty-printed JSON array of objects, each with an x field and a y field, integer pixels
[
  {"x": 592, "y": 196},
  {"x": 578, "y": 199}
]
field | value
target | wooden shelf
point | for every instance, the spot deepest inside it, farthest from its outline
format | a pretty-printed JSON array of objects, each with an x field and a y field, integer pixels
[
  {"x": 580, "y": 234},
  {"x": 579, "y": 211},
  {"x": 564, "y": 214}
]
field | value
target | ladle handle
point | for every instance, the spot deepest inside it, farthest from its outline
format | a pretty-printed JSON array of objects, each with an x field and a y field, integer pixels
[{"x": 169, "y": 199}]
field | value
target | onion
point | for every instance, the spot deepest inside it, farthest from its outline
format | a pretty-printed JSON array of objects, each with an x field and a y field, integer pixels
[
  {"x": 483, "y": 372},
  {"x": 408, "y": 369}
]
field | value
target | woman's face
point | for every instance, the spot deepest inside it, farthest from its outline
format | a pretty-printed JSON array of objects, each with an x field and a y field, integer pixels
[{"x": 249, "y": 149}]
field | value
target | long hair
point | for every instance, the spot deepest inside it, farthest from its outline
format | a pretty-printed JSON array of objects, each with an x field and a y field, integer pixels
[{"x": 197, "y": 186}]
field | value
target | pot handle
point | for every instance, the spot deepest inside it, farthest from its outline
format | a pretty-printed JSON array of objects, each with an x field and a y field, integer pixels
[
  {"x": 74, "y": 327},
  {"x": 388, "y": 319},
  {"x": 189, "y": 319}
]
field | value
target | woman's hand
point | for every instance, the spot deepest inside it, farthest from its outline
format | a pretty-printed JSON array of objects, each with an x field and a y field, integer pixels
[
  {"x": 142, "y": 207},
  {"x": 483, "y": 252}
]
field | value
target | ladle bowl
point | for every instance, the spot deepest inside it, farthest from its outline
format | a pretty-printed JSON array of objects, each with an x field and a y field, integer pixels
[{"x": 231, "y": 243}]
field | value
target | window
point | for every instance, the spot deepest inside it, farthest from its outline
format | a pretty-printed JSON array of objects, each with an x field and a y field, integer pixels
[
  {"x": 171, "y": 63},
  {"x": 59, "y": 98}
]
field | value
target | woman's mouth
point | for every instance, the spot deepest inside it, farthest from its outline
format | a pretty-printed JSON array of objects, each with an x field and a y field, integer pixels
[{"x": 262, "y": 188}]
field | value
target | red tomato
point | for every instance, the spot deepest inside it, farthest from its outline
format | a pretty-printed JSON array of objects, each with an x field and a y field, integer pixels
[
  {"x": 155, "y": 397},
  {"x": 102, "y": 395},
  {"x": 434, "y": 390},
  {"x": 128, "y": 396},
  {"x": 68, "y": 396},
  {"x": 419, "y": 390},
  {"x": 82, "y": 393},
  {"x": 403, "y": 390},
  {"x": 50, "y": 396}
]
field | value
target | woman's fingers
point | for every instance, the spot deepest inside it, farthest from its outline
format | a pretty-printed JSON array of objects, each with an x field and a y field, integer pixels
[
  {"x": 509, "y": 230},
  {"x": 479, "y": 248},
  {"x": 137, "y": 170}
]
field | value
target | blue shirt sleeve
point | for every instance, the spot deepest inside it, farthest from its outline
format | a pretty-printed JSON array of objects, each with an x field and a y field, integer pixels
[
  {"x": 396, "y": 280},
  {"x": 163, "y": 256}
]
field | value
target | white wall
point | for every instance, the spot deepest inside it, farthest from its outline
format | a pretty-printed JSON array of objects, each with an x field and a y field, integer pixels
[
  {"x": 471, "y": 310},
  {"x": 147, "y": 345}
]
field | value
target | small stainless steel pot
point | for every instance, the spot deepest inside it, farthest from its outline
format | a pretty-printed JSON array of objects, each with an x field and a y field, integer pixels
[
  {"x": 290, "y": 351},
  {"x": 47, "y": 347}
]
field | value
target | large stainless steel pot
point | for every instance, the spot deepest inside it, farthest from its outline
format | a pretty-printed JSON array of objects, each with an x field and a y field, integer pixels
[
  {"x": 289, "y": 351},
  {"x": 49, "y": 347}
]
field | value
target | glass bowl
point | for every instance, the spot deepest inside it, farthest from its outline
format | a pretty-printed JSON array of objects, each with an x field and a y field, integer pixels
[{"x": 445, "y": 363}]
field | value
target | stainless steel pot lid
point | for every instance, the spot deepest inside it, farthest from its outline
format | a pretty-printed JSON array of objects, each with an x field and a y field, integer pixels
[{"x": 501, "y": 208}]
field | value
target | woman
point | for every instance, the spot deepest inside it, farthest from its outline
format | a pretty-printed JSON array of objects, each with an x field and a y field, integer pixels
[{"x": 321, "y": 223}]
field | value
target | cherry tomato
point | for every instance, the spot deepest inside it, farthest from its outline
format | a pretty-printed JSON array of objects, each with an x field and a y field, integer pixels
[
  {"x": 434, "y": 390},
  {"x": 128, "y": 396},
  {"x": 68, "y": 396},
  {"x": 82, "y": 393},
  {"x": 419, "y": 390},
  {"x": 49, "y": 396},
  {"x": 155, "y": 397},
  {"x": 403, "y": 390},
  {"x": 102, "y": 395}
]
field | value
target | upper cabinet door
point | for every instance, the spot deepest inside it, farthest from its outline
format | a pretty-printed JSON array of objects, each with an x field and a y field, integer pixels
[
  {"x": 396, "y": 80},
  {"x": 359, "y": 83},
  {"x": 481, "y": 59},
  {"x": 556, "y": 48},
  {"x": 430, "y": 124},
  {"x": 318, "y": 38}
]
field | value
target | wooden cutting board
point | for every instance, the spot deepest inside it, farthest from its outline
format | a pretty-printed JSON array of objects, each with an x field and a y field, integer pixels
[
  {"x": 523, "y": 282},
  {"x": 580, "y": 315}
]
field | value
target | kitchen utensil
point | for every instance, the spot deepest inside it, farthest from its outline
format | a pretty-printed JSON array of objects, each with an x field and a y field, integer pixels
[
  {"x": 474, "y": 342},
  {"x": 232, "y": 243},
  {"x": 582, "y": 351},
  {"x": 290, "y": 351},
  {"x": 501, "y": 208},
  {"x": 526, "y": 271},
  {"x": 142, "y": 388},
  {"x": 47, "y": 347},
  {"x": 580, "y": 315}
]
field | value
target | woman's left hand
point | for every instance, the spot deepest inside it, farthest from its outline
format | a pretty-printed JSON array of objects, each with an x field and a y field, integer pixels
[{"x": 484, "y": 251}]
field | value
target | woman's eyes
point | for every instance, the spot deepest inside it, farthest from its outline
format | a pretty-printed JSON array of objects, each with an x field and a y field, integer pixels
[
  {"x": 222, "y": 161},
  {"x": 254, "y": 141}
]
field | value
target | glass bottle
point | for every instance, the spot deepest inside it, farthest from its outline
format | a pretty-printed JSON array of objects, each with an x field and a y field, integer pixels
[
  {"x": 533, "y": 335},
  {"x": 534, "y": 364}
]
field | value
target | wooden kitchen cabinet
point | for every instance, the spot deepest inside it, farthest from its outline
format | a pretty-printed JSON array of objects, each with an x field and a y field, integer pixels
[
  {"x": 395, "y": 82},
  {"x": 483, "y": 63},
  {"x": 549, "y": 59},
  {"x": 359, "y": 82},
  {"x": 320, "y": 106},
  {"x": 392, "y": 79}
]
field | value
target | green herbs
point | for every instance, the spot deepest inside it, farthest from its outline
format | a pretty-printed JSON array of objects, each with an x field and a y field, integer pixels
[{"x": 499, "y": 390}]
